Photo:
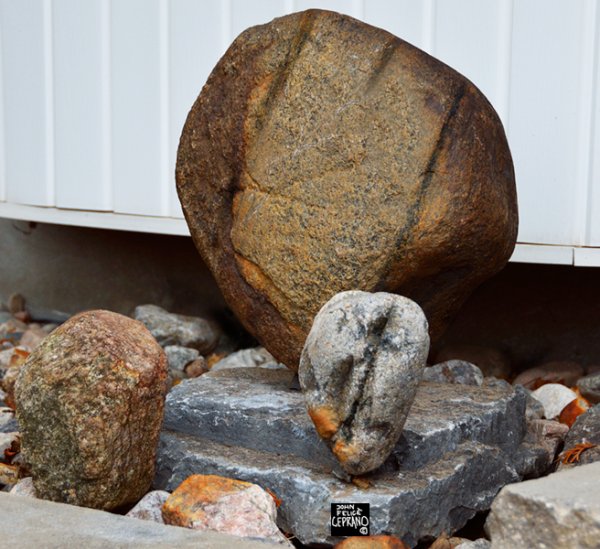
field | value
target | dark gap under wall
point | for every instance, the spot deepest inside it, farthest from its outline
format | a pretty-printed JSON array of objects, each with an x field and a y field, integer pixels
[
  {"x": 533, "y": 312},
  {"x": 74, "y": 268}
]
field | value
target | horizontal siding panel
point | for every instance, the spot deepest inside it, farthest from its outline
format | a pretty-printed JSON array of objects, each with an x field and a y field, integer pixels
[
  {"x": 467, "y": 38},
  {"x": 594, "y": 174},
  {"x": 2, "y": 144},
  {"x": 246, "y": 14},
  {"x": 349, "y": 7}
]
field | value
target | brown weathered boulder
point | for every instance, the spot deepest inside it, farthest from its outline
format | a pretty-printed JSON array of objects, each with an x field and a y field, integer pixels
[
  {"x": 324, "y": 155},
  {"x": 90, "y": 404}
]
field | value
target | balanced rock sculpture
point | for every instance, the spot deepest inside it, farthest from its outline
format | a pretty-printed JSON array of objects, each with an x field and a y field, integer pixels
[
  {"x": 323, "y": 155},
  {"x": 359, "y": 371},
  {"x": 90, "y": 402}
]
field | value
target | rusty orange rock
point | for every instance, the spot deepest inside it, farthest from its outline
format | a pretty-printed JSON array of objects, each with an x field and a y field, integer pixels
[
  {"x": 372, "y": 542},
  {"x": 573, "y": 410},
  {"x": 211, "y": 502},
  {"x": 323, "y": 155},
  {"x": 185, "y": 505}
]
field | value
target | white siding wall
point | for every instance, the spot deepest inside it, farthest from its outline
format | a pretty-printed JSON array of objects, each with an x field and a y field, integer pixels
[{"x": 94, "y": 93}]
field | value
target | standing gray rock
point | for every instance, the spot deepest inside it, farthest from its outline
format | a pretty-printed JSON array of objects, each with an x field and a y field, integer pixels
[
  {"x": 359, "y": 370},
  {"x": 173, "y": 329},
  {"x": 90, "y": 404}
]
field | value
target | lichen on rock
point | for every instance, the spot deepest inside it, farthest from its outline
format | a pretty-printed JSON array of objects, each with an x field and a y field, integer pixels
[{"x": 90, "y": 404}]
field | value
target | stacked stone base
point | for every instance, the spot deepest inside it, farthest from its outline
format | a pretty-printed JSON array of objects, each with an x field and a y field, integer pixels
[{"x": 460, "y": 446}]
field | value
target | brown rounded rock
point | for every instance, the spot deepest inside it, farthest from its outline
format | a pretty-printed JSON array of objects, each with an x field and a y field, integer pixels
[
  {"x": 323, "y": 155},
  {"x": 90, "y": 404}
]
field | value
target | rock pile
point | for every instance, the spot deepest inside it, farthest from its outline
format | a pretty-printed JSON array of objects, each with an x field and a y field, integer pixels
[
  {"x": 463, "y": 441},
  {"x": 178, "y": 330},
  {"x": 323, "y": 160},
  {"x": 248, "y": 401},
  {"x": 192, "y": 344}
]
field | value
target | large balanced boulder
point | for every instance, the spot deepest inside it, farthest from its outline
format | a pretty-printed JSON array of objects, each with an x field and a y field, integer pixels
[
  {"x": 323, "y": 155},
  {"x": 90, "y": 405},
  {"x": 359, "y": 371}
]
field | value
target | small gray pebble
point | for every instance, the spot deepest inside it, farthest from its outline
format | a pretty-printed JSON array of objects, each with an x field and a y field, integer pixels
[
  {"x": 460, "y": 372},
  {"x": 179, "y": 357}
]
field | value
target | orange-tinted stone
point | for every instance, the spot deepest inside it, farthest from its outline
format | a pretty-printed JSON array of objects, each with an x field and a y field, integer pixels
[
  {"x": 211, "y": 502},
  {"x": 573, "y": 410},
  {"x": 372, "y": 542},
  {"x": 186, "y": 504}
]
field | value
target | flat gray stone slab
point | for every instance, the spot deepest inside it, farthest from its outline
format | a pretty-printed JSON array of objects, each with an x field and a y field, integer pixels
[
  {"x": 560, "y": 510},
  {"x": 439, "y": 497},
  {"x": 31, "y": 523},
  {"x": 255, "y": 408},
  {"x": 460, "y": 446}
]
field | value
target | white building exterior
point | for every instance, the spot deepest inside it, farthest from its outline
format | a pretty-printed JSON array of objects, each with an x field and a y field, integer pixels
[{"x": 94, "y": 93}]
